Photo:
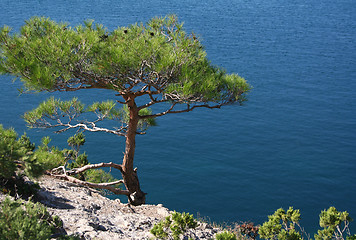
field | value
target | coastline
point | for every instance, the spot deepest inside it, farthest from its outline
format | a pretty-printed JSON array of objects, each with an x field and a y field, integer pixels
[{"x": 85, "y": 212}]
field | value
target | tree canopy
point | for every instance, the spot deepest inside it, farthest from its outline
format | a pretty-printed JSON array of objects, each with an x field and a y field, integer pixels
[
  {"x": 158, "y": 58},
  {"x": 156, "y": 62}
]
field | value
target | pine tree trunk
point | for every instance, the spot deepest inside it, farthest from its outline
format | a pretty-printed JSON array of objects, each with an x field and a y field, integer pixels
[{"x": 136, "y": 197}]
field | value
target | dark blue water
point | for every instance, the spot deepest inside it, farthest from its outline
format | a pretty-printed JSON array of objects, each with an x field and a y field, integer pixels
[{"x": 292, "y": 144}]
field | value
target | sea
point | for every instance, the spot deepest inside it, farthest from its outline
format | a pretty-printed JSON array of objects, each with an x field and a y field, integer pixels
[{"x": 293, "y": 143}]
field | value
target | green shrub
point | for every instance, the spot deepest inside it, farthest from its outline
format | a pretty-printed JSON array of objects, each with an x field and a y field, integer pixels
[
  {"x": 49, "y": 157},
  {"x": 174, "y": 226},
  {"x": 19, "y": 155},
  {"x": 283, "y": 226},
  {"x": 98, "y": 176},
  {"x": 79, "y": 161},
  {"x": 226, "y": 235},
  {"x": 334, "y": 224},
  {"x": 76, "y": 160},
  {"x": 27, "y": 220},
  {"x": 76, "y": 141},
  {"x": 13, "y": 152},
  {"x": 19, "y": 220}
]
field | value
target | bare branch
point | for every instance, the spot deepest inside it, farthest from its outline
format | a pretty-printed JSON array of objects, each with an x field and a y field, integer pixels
[
  {"x": 120, "y": 101},
  {"x": 94, "y": 166},
  {"x": 61, "y": 173},
  {"x": 106, "y": 186},
  {"x": 59, "y": 170},
  {"x": 188, "y": 109},
  {"x": 147, "y": 92},
  {"x": 153, "y": 101},
  {"x": 120, "y": 131}
]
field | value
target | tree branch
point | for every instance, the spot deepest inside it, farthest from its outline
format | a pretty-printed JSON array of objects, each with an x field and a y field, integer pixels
[
  {"x": 188, "y": 109},
  {"x": 153, "y": 101},
  {"x": 94, "y": 166},
  {"x": 120, "y": 131},
  {"x": 106, "y": 186},
  {"x": 65, "y": 175}
]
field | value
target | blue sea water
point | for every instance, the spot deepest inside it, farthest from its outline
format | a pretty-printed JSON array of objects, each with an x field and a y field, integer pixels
[{"x": 292, "y": 144}]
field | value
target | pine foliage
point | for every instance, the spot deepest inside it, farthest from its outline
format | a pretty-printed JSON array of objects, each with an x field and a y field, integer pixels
[
  {"x": 174, "y": 226},
  {"x": 52, "y": 56},
  {"x": 15, "y": 153},
  {"x": 143, "y": 64},
  {"x": 28, "y": 221},
  {"x": 226, "y": 235},
  {"x": 52, "y": 111},
  {"x": 18, "y": 157},
  {"x": 19, "y": 220},
  {"x": 284, "y": 225},
  {"x": 334, "y": 223}
]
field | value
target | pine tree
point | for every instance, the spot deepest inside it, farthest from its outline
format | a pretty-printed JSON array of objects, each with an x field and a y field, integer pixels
[{"x": 156, "y": 63}]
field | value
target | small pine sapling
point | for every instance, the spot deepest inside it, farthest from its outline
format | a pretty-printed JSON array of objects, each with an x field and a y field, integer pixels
[
  {"x": 335, "y": 225},
  {"x": 76, "y": 168},
  {"x": 174, "y": 226},
  {"x": 282, "y": 225},
  {"x": 226, "y": 235}
]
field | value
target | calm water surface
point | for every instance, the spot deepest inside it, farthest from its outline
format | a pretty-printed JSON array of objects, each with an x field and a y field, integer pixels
[{"x": 292, "y": 144}]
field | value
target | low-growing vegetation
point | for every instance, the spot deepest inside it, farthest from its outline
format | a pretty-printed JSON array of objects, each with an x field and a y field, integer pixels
[
  {"x": 19, "y": 157},
  {"x": 174, "y": 226},
  {"x": 284, "y": 225},
  {"x": 226, "y": 235},
  {"x": 27, "y": 220},
  {"x": 15, "y": 153},
  {"x": 75, "y": 161}
]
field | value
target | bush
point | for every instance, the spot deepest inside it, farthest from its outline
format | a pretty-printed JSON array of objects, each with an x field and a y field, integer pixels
[
  {"x": 12, "y": 151},
  {"x": 283, "y": 225},
  {"x": 27, "y": 220},
  {"x": 334, "y": 224},
  {"x": 76, "y": 160},
  {"x": 20, "y": 220},
  {"x": 98, "y": 176},
  {"x": 18, "y": 155},
  {"x": 226, "y": 235},
  {"x": 48, "y": 157},
  {"x": 174, "y": 226}
]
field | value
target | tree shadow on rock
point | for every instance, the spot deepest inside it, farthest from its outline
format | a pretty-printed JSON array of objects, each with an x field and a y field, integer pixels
[{"x": 49, "y": 199}]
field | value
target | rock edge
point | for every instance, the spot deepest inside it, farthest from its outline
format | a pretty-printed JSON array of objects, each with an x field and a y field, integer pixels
[{"x": 90, "y": 215}]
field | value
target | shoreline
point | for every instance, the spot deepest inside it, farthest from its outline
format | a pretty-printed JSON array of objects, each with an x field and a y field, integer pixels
[{"x": 85, "y": 212}]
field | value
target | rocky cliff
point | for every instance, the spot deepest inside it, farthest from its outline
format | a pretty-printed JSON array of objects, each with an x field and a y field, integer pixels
[{"x": 87, "y": 213}]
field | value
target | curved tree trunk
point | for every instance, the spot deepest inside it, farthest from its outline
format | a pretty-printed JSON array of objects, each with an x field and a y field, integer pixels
[{"x": 136, "y": 197}]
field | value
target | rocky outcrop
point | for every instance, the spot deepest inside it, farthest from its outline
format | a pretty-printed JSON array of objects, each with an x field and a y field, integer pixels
[{"x": 87, "y": 213}]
